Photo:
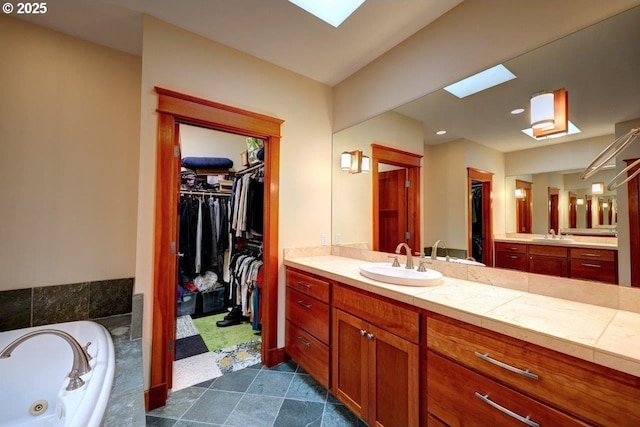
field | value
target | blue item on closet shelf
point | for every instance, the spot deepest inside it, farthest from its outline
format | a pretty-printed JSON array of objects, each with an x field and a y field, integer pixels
[
  {"x": 260, "y": 154},
  {"x": 207, "y": 162}
]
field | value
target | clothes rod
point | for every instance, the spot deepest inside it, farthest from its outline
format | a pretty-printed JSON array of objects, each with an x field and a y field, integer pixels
[
  {"x": 250, "y": 169},
  {"x": 204, "y": 193}
]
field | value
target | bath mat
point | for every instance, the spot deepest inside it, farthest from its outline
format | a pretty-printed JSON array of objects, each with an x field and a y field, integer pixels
[
  {"x": 218, "y": 338},
  {"x": 194, "y": 370},
  {"x": 238, "y": 356},
  {"x": 190, "y": 346},
  {"x": 185, "y": 327}
]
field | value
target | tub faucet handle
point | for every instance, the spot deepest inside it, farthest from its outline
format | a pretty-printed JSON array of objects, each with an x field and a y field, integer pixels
[{"x": 86, "y": 350}]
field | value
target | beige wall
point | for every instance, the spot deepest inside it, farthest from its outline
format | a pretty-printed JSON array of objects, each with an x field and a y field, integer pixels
[
  {"x": 469, "y": 38},
  {"x": 182, "y": 61},
  {"x": 352, "y": 194},
  {"x": 69, "y": 126},
  {"x": 446, "y": 200}
]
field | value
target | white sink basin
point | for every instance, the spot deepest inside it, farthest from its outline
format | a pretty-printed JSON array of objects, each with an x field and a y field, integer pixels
[
  {"x": 562, "y": 241},
  {"x": 384, "y": 272}
]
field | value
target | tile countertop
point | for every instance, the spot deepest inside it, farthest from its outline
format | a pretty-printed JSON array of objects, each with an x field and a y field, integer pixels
[{"x": 605, "y": 336}]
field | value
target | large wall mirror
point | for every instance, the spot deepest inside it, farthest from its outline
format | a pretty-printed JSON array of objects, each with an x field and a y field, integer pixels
[{"x": 599, "y": 67}]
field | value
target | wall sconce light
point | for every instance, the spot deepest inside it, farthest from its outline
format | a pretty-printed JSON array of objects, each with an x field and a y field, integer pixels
[
  {"x": 354, "y": 162},
  {"x": 580, "y": 201},
  {"x": 597, "y": 188},
  {"x": 520, "y": 194},
  {"x": 550, "y": 113}
]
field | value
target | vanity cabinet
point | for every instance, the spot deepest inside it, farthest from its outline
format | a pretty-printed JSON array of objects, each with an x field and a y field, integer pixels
[
  {"x": 511, "y": 255},
  {"x": 375, "y": 353},
  {"x": 307, "y": 324},
  {"x": 479, "y": 377},
  {"x": 594, "y": 264},
  {"x": 561, "y": 261},
  {"x": 549, "y": 260}
]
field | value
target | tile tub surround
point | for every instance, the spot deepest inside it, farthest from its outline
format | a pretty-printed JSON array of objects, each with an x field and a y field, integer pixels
[
  {"x": 584, "y": 330},
  {"x": 126, "y": 403},
  {"x": 22, "y": 308}
]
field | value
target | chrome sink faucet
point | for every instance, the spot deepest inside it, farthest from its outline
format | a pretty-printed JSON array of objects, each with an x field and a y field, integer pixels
[
  {"x": 80, "y": 356},
  {"x": 434, "y": 249},
  {"x": 409, "y": 265},
  {"x": 553, "y": 233}
]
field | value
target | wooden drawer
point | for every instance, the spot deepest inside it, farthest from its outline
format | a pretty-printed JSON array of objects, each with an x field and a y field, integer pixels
[
  {"x": 593, "y": 254},
  {"x": 520, "y": 248},
  {"x": 308, "y": 284},
  {"x": 309, "y": 314},
  {"x": 461, "y": 397},
  {"x": 391, "y": 317},
  {"x": 593, "y": 269},
  {"x": 586, "y": 390},
  {"x": 308, "y": 352},
  {"x": 511, "y": 260},
  {"x": 548, "y": 250}
]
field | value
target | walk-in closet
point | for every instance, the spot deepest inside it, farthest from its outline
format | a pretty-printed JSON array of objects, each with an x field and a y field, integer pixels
[{"x": 220, "y": 252}]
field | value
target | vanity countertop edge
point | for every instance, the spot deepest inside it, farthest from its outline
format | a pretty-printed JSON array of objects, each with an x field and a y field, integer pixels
[
  {"x": 605, "y": 336},
  {"x": 572, "y": 244}
]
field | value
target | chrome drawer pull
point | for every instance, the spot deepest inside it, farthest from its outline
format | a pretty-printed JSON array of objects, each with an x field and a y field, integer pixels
[
  {"x": 502, "y": 409},
  {"x": 303, "y": 284},
  {"x": 370, "y": 336},
  {"x": 526, "y": 373},
  {"x": 511, "y": 256},
  {"x": 307, "y": 306},
  {"x": 591, "y": 265},
  {"x": 303, "y": 342},
  {"x": 592, "y": 255}
]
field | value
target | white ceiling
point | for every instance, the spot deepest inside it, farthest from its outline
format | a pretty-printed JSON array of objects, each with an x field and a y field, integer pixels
[
  {"x": 599, "y": 68},
  {"x": 274, "y": 30}
]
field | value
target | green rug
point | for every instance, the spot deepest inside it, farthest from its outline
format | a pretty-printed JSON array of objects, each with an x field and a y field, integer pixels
[{"x": 217, "y": 338}]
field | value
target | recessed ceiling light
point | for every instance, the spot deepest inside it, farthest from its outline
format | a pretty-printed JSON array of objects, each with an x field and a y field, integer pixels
[
  {"x": 481, "y": 81},
  {"x": 572, "y": 129},
  {"x": 517, "y": 111},
  {"x": 441, "y": 132},
  {"x": 333, "y": 12}
]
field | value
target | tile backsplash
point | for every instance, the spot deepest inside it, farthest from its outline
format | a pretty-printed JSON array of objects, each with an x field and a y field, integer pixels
[{"x": 22, "y": 308}]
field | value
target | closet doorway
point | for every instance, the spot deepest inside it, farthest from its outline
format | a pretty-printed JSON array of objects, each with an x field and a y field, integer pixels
[
  {"x": 174, "y": 109},
  {"x": 219, "y": 264},
  {"x": 480, "y": 227}
]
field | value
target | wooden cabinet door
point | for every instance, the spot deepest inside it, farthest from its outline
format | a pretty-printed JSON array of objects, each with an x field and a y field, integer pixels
[
  {"x": 553, "y": 266},
  {"x": 393, "y": 380},
  {"x": 350, "y": 359}
]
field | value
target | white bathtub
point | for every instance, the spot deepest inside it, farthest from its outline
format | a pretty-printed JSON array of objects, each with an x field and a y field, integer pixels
[{"x": 35, "y": 378}]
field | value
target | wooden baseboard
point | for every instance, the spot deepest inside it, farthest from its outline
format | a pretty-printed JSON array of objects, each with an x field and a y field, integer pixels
[
  {"x": 155, "y": 397},
  {"x": 275, "y": 356}
]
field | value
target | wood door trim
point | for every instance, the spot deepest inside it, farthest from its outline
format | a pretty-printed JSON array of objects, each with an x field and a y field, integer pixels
[
  {"x": 174, "y": 108},
  {"x": 633, "y": 194},
  {"x": 412, "y": 162},
  {"x": 487, "y": 207}
]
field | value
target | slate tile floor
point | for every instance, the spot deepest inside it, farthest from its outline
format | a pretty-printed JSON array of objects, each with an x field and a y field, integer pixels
[{"x": 282, "y": 396}]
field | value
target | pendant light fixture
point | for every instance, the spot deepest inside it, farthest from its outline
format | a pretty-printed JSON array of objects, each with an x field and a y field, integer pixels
[{"x": 542, "y": 115}]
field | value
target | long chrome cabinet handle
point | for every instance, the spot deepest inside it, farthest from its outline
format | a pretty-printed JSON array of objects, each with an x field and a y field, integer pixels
[
  {"x": 303, "y": 342},
  {"x": 526, "y": 420},
  {"x": 591, "y": 255},
  {"x": 307, "y": 306},
  {"x": 507, "y": 367},
  {"x": 303, "y": 284},
  {"x": 591, "y": 265}
]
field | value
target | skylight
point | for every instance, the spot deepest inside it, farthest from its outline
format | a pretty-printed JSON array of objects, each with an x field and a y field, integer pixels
[
  {"x": 333, "y": 12},
  {"x": 481, "y": 81},
  {"x": 572, "y": 129}
]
